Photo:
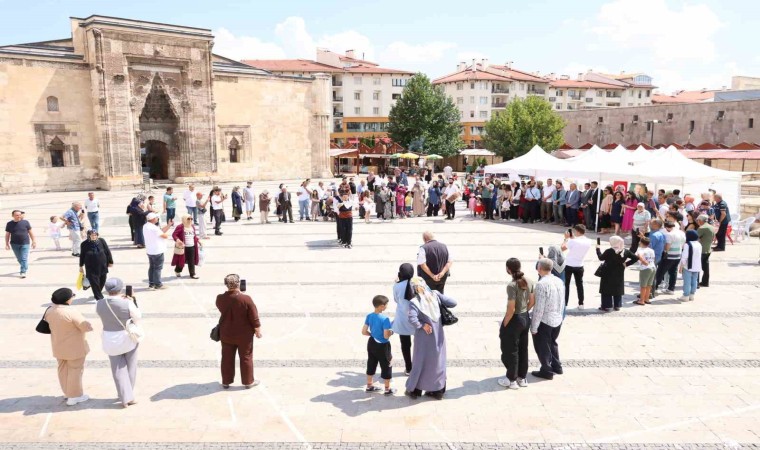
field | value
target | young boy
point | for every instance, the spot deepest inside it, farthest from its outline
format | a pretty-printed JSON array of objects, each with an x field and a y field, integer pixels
[
  {"x": 378, "y": 327},
  {"x": 646, "y": 275}
]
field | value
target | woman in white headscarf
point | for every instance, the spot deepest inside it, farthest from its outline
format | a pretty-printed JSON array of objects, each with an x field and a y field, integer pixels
[
  {"x": 611, "y": 285},
  {"x": 429, "y": 356}
]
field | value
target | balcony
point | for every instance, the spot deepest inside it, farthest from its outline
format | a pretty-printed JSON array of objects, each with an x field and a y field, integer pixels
[
  {"x": 498, "y": 105},
  {"x": 574, "y": 97},
  {"x": 337, "y": 99},
  {"x": 337, "y": 83},
  {"x": 337, "y": 129},
  {"x": 614, "y": 95},
  {"x": 536, "y": 91},
  {"x": 499, "y": 90},
  {"x": 337, "y": 113}
]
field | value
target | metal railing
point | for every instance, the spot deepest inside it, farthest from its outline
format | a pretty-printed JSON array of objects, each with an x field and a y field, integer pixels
[
  {"x": 337, "y": 99},
  {"x": 498, "y": 105},
  {"x": 337, "y": 83},
  {"x": 537, "y": 91},
  {"x": 337, "y": 113},
  {"x": 499, "y": 90}
]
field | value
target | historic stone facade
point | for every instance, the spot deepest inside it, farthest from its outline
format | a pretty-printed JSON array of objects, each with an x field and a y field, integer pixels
[{"x": 122, "y": 98}]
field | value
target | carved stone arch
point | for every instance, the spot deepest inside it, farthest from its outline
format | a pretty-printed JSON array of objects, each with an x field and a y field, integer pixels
[
  {"x": 157, "y": 135},
  {"x": 157, "y": 88}
]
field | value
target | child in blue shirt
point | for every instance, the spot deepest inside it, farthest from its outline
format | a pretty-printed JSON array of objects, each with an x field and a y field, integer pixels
[{"x": 378, "y": 327}]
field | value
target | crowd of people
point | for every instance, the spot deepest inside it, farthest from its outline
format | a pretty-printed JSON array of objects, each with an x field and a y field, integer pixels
[{"x": 668, "y": 235}]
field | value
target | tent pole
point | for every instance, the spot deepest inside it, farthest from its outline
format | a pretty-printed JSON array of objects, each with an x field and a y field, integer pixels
[{"x": 598, "y": 202}]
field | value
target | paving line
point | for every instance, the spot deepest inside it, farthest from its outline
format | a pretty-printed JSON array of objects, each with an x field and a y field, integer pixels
[
  {"x": 445, "y": 438},
  {"x": 286, "y": 419},
  {"x": 44, "y": 429},
  {"x": 232, "y": 411}
]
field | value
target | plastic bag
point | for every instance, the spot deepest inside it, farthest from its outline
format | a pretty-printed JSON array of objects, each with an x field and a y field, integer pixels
[
  {"x": 201, "y": 257},
  {"x": 86, "y": 283},
  {"x": 80, "y": 280}
]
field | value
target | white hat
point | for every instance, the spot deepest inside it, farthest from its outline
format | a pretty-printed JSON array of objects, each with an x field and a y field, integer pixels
[{"x": 151, "y": 216}]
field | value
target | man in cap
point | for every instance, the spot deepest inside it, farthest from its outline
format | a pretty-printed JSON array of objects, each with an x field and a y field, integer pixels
[{"x": 155, "y": 246}]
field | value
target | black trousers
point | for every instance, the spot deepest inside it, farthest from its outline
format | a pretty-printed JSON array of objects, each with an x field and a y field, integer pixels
[
  {"x": 378, "y": 353},
  {"x": 610, "y": 301},
  {"x": 635, "y": 240},
  {"x": 705, "y": 281},
  {"x": 571, "y": 216},
  {"x": 345, "y": 230},
  {"x": 406, "y": 351},
  {"x": 189, "y": 260},
  {"x": 450, "y": 210},
  {"x": 721, "y": 236},
  {"x": 578, "y": 272},
  {"x": 218, "y": 220},
  {"x": 669, "y": 266},
  {"x": 131, "y": 228},
  {"x": 435, "y": 285},
  {"x": 513, "y": 212},
  {"x": 287, "y": 213},
  {"x": 514, "y": 346},
  {"x": 432, "y": 209},
  {"x": 97, "y": 281},
  {"x": 545, "y": 344},
  {"x": 488, "y": 207}
]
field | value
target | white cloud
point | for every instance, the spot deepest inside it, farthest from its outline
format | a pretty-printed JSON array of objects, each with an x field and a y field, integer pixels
[
  {"x": 678, "y": 34},
  {"x": 299, "y": 43},
  {"x": 403, "y": 52},
  {"x": 670, "y": 80},
  {"x": 244, "y": 47}
]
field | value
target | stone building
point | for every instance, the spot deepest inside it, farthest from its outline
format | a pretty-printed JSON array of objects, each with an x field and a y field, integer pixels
[
  {"x": 726, "y": 123},
  {"x": 125, "y": 97}
]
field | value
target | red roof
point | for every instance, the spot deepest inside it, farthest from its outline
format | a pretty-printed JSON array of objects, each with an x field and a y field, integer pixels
[
  {"x": 678, "y": 146},
  {"x": 746, "y": 146},
  {"x": 307, "y": 65},
  {"x": 689, "y": 145},
  {"x": 706, "y": 146},
  {"x": 684, "y": 96},
  {"x": 519, "y": 75},
  {"x": 585, "y": 146},
  {"x": 722, "y": 146},
  {"x": 610, "y": 146},
  {"x": 375, "y": 69},
  {"x": 565, "y": 146},
  {"x": 469, "y": 75},
  {"x": 632, "y": 147}
]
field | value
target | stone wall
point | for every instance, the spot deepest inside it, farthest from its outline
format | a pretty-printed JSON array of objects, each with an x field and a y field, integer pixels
[
  {"x": 27, "y": 128},
  {"x": 675, "y": 126}
]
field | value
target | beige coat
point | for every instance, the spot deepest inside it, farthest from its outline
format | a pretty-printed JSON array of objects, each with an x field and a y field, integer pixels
[{"x": 67, "y": 329}]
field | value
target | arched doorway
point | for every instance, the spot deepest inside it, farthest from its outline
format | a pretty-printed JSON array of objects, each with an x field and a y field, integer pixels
[
  {"x": 158, "y": 122},
  {"x": 155, "y": 159}
]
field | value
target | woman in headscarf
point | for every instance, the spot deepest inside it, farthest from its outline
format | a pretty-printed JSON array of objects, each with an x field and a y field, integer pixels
[
  {"x": 67, "y": 330},
  {"x": 691, "y": 265},
  {"x": 418, "y": 201},
  {"x": 429, "y": 358},
  {"x": 558, "y": 259},
  {"x": 641, "y": 218},
  {"x": 264, "y": 201},
  {"x": 402, "y": 294},
  {"x": 611, "y": 284},
  {"x": 513, "y": 330},
  {"x": 137, "y": 214},
  {"x": 94, "y": 260},
  {"x": 237, "y": 203},
  {"x": 386, "y": 196},
  {"x": 186, "y": 238}
]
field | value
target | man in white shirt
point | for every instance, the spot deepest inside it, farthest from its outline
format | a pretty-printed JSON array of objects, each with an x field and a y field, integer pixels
[
  {"x": 249, "y": 197},
  {"x": 155, "y": 246},
  {"x": 577, "y": 245},
  {"x": 663, "y": 207},
  {"x": 547, "y": 204},
  {"x": 303, "y": 201},
  {"x": 189, "y": 197},
  {"x": 547, "y": 320},
  {"x": 447, "y": 172},
  {"x": 217, "y": 207},
  {"x": 533, "y": 199},
  {"x": 92, "y": 206},
  {"x": 451, "y": 194}
]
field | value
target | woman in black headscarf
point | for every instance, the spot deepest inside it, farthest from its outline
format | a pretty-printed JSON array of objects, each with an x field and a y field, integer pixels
[
  {"x": 402, "y": 293},
  {"x": 94, "y": 260}
]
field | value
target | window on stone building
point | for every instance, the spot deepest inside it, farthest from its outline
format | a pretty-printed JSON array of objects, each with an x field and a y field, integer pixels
[
  {"x": 460, "y": 100},
  {"x": 483, "y": 100},
  {"x": 52, "y": 104},
  {"x": 751, "y": 123},
  {"x": 460, "y": 86},
  {"x": 376, "y": 111},
  {"x": 600, "y": 93},
  {"x": 649, "y": 126},
  {"x": 395, "y": 96},
  {"x": 57, "y": 150},
  {"x": 580, "y": 128},
  {"x": 691, "y": 126},
  {"x": 357, "y": 111},
  {"x": 670, "y": 117},
  {"x": 558, "y": 106},
  {"x": 559, "y": 93},
  {"x": 376, "y": 81},
  {"x": 600, "y": 119},
  {"x": 472, "y": 113},
  {"x": 483, "y": 114},
  {"x": 622, "y": 127},
  {"x": 234, "y": 149},
  {"x": 472, "y": 85},
  {"x": 635, "y": 118},
  {"x": 376, "y": 95},
  {"x": 357, "y": 95}
]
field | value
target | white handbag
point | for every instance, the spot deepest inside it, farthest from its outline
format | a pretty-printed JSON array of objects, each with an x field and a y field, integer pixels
[{"x": 133, "y": 330}]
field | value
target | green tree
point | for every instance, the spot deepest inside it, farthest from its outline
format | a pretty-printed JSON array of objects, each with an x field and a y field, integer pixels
[
  {"x": 425, "y": 115},
  {"x": 525, "y": 123}
]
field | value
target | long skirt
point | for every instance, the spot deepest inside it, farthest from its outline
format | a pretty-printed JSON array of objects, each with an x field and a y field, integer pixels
[{"x": 428, "y": 360}]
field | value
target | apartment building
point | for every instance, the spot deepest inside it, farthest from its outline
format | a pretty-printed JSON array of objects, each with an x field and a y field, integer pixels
[
  {"x": 362, "y": 91},
  {"x": 481, "y": 89}
]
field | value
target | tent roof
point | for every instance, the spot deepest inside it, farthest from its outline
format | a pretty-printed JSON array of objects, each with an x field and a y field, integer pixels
[{"x": 476, "y": 152}]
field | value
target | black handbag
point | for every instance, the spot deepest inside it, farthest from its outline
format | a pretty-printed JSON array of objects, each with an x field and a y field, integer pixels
[
  {"x": 447, "y": 317},
  {"x": 600, "y": 270},
  {"x": 215, "y": 334},
  {"x": 43, "y": 326}
]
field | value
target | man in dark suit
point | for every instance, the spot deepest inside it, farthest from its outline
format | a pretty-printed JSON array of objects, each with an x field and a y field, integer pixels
[
  {"x": 285, "y": 205},
  {"x": 592, "y": 206},
  {"x": 573, "y": 203}
]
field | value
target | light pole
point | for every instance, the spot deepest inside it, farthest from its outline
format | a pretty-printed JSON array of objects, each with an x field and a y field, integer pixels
[{"x": 651, "y": 137}]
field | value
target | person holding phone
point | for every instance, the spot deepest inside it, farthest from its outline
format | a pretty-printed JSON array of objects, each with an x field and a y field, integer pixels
[
  {"x": 155, "y": 246},
  {"x": 238, "y": 325},
  {"x": 577, "y": 246}
]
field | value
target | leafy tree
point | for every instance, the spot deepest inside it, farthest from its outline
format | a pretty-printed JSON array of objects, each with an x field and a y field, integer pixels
[
  {"x": 425, "y": 117},
  {"x": 522, "y": 125}
]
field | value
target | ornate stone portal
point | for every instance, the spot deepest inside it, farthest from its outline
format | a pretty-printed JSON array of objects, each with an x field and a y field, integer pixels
[{"x": 124, "y": 98}]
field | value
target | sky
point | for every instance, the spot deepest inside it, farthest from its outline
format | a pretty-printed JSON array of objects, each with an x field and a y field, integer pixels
[{"x": 681, "y": 44}]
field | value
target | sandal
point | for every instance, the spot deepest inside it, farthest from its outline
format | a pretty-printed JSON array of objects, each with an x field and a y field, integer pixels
[
  {"x": 639, "y": 303},
  {"x": 372, "y": 389}
]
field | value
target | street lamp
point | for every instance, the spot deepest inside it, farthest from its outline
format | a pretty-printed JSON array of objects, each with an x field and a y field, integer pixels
[{"x": 651, "y": 137}]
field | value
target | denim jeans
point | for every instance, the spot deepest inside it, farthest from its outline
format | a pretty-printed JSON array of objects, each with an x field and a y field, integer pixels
[
  {"x": 154, "y": 270},
  {"x": 22, "y": 255},
  {"x": 193, "y": 211},
  {"x": 303, "y": 209},
  {"x": 690, "y": 282},
  {"x": 170, "y": 214},
  {"x": 94, "y": 219}
]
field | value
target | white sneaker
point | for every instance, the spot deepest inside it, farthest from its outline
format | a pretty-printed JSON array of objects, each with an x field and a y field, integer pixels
[
  {"x": 75, "y": 400},
  {"x": 580, "y": 306},
  {"x": 522, "y": 382},
  {"x": 691, "y": 298},
  {"x": 683, "y": 298},
  {"x": 503, "y": 382},
  {"x": 666, "y": 291}
]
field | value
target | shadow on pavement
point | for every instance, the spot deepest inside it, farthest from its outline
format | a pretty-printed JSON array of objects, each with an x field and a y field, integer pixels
[
  {"x": 187, "y": 391},
  {"x": 43, "y": 404}
]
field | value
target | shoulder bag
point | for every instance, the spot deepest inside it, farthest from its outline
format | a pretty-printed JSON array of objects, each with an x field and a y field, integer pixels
[
  {"x": 216, "y": 332},
  {"x": 133, "y": 330},
  {"x": 447, "y": 317},
  {"x": 600, "y": 270},
  {"x": 43, "y": 326}
]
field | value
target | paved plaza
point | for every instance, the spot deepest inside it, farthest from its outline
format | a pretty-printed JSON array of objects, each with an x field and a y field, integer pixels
[{"x": 664, "y": 374}]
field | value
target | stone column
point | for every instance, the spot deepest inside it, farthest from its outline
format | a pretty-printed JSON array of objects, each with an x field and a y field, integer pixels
[{"x": 320, "y": 130}]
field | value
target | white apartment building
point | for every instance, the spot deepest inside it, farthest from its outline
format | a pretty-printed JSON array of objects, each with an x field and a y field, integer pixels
[
  {"x": 362, "y": 91},
  {"x": 481, "y": 89}
]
